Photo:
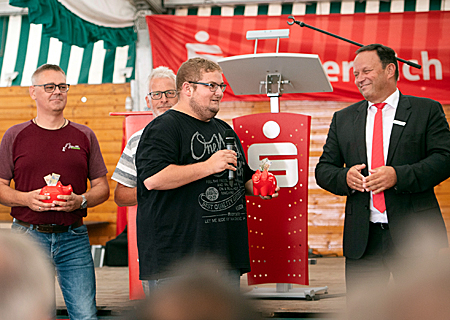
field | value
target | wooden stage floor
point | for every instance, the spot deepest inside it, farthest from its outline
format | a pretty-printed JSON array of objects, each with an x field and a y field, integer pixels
[{"x": 113, "y": 299}]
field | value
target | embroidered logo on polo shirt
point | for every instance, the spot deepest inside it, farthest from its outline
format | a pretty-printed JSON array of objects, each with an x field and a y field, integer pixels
[{"x": 70, "y": 146}]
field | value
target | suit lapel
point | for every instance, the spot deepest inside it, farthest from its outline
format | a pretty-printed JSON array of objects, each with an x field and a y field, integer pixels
[
  {"x": 360, "y": 130},
  {"x": 402, "y": 114}
]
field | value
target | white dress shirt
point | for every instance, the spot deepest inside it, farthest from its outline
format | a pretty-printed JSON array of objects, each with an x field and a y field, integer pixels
[{"x": 388, "y": 119}]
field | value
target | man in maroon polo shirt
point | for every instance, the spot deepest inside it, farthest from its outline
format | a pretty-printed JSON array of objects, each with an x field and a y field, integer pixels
[{"x": 49, "y": 144}]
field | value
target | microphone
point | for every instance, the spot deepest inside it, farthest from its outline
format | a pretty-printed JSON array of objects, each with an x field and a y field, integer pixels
[{"x": 229, "y": 142}]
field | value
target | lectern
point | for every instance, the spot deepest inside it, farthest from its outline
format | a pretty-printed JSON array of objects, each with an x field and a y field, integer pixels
[
  {"x": 274, "y": 73},
  {"x": 277, "y": 228}
]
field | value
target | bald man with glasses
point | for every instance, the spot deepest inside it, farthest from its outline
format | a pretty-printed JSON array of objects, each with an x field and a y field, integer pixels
[{"x": 48, "y": 144}]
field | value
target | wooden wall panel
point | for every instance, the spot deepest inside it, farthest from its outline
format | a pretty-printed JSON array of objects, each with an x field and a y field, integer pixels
[{"x": 326, "y": 211}]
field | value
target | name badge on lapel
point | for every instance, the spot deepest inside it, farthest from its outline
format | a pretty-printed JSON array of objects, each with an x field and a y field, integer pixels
[{"x": 400, "y": 123}]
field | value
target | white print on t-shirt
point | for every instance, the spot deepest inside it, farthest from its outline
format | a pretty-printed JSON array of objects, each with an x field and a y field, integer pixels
[
  {"x": 207, "y": 147},
  {"x": 212, "y": 194},
  {"x": 218, "y": 184},
  {"x": 70, "y": 146},
  {"x": 216, "y": 206},
  {"x": 225, "y": 218},
  {"x": 230, "y": 216}
]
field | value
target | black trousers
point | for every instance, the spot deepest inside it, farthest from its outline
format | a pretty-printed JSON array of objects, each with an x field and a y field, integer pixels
[
  {"x": 371, "y": 295},
  {"x": 374, "y": 269}
]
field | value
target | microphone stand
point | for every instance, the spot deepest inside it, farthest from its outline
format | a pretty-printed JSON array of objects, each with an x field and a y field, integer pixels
[{"x": 302, "y": 24}]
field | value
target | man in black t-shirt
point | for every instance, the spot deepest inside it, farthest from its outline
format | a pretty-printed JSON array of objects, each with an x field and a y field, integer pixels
[{"x": 186, "y": 204}]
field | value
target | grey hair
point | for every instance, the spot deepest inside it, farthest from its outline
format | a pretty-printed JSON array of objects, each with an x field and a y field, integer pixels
[
  {"x": 43, "y": 68},
  {"x": 161, "y": 72}
]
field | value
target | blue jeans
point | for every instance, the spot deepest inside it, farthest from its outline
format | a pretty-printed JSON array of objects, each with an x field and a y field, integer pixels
[{"x": 70, "y": 253}]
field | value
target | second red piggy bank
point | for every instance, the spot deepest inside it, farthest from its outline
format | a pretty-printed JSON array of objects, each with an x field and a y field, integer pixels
[
  {"x": 264, "y": 183},
  {"x": 55, "y": 191}
]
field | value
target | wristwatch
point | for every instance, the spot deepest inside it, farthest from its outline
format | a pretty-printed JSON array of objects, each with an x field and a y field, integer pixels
[{"x": 83, "y": 203}]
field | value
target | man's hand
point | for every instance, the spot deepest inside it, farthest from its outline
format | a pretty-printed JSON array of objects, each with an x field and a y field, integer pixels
[
  {"x": 14, "y": 198},
  {"x": 380, "y": 179},
  {"x": 272, "y": 196},
  {"x": 34, "y": 201},
  {"x": 249, "y": 191},
  {"x": 97, "y": 194},
  {"x": 355, "y": 179},
  {"x": 222, "y": 160},
  {"x": 73, "y": 202}
]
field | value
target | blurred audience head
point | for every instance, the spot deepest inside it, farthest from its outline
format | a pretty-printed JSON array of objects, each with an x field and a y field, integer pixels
[
  {"x": 26, "y": 279},
  {"x": 422, "y": 293},
  {"x": 196, "y": 292}
]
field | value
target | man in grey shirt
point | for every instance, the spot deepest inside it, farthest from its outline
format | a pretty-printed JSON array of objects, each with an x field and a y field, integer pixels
[{"x": 161, "y": 97}]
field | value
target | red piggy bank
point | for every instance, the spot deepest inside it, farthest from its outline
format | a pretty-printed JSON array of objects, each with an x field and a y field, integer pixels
[
  {"x": 264, "y": 183},
  {"x": 55, "y": 191}
]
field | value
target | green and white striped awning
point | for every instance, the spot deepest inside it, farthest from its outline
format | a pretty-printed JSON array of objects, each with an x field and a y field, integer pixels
[
  {"x": 314, "y": 7},
  {"x": 92, "y": 42},
  {"x": 23, "y": 47}
]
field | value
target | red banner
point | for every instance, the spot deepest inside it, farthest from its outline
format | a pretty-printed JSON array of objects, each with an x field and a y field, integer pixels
[{"x": 418, "y": 36}]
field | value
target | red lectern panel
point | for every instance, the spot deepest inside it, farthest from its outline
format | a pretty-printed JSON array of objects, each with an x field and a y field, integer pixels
[
  {"x": 278, "y": 228},
  {"x": 134, "y": 121}
]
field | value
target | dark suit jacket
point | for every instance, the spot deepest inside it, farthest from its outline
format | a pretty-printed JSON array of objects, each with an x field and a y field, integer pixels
[{"x": 419, "y": 151}]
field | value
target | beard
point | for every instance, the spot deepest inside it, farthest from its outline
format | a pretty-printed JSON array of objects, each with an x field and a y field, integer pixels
[
  {"x": 157, "y": 111},
  {"x": 204, "y": 113}
]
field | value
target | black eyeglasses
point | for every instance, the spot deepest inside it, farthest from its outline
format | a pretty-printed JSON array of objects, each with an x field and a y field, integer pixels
[
  {"x": 157, "y": 95},
  {"x": 212, "y": 86},
  {"x": 51, "y": 87}
]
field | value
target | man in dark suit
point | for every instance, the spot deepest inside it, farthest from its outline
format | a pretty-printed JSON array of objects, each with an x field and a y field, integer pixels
[{"x": 392, "y": 215}]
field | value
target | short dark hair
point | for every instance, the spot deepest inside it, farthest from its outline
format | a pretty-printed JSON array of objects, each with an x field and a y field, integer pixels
[
  {"x": 192, "y": 70},
  {"x": 386, "y": 55},
  {"x": 46, "y": 67}
]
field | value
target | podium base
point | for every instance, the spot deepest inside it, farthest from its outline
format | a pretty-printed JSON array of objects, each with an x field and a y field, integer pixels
[{"x": 307, "y": 293}]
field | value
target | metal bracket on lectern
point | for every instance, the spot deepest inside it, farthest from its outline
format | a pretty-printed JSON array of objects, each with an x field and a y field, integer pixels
[
  {"x": 274, "y": 89},
  {"x": 273, "y": 84}
]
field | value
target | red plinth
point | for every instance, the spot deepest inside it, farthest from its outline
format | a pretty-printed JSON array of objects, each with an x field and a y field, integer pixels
[
  {"x": 134, "y": 121},
  {"x": 278, "y": 228}
]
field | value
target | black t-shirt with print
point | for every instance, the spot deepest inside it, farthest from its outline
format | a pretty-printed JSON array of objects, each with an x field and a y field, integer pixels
[{"x": 207, "y": 216}]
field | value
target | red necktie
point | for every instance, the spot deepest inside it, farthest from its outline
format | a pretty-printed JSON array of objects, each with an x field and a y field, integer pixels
[{"x": 377, "y": 153}]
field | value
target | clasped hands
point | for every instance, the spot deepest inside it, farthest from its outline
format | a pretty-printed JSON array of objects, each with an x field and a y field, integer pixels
[
  {"x": 380, "y": 179},
  {"x": 68, "y": 203}
]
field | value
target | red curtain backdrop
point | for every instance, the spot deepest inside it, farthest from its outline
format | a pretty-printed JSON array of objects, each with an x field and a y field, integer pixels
[{"x": 413, "y": 35}]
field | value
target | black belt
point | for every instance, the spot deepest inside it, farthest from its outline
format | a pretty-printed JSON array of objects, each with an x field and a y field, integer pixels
[
  {"x": 49, "y": 228},
  {"x": 380, "y": 225}
]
